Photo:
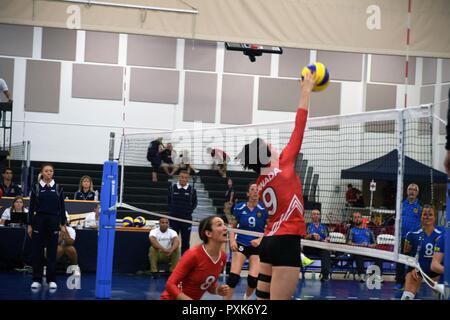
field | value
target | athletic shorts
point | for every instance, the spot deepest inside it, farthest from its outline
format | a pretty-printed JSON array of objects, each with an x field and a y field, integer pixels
[
  {"x": 248, "y": 251},
  {"x": 429, "y": 273},
  {"x": 281, "y": 251}
]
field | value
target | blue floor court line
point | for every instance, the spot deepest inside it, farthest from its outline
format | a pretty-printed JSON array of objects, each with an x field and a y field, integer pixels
[{"x": 16, "y": 286}]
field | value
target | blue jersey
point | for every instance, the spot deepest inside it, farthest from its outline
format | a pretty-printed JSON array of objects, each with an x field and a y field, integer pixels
[
  {"x": 423, "y": 246},
  {"x": 251, "y": 220},
  {"x": 321, "y": 230},
  {"x": 411, "y": 214},
  {"x": 439, "y": 246},
  {"x": 361, "y": 236}
]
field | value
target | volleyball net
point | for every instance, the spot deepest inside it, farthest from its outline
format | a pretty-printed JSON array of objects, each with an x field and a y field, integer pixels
[{"x": 378, "y": 153}]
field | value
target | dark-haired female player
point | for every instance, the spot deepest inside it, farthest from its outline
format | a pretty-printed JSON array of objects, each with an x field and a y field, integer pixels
[
  {"x": 46, "y": 218},
  {"x": 281, "y": 192},
  {"x": 200, "y": 267}
]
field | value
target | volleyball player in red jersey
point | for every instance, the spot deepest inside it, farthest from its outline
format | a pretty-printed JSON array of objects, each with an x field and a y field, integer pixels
[
  {"x": 281, "y": 191},
  {"x": 200, "y": 266}
]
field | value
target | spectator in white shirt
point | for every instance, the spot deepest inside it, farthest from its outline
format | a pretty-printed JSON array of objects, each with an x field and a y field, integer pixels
[
  {"x": 17, "y": 209},
  {"x": 66, "y": 246},
  {"x": 164, "y": 246},
  {"x": 91, "y": 220},
  {"x": 183, "y": 162}
]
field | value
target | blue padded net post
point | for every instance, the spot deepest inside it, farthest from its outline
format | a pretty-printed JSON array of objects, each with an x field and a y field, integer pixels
[{"x": 107, "y": 224}]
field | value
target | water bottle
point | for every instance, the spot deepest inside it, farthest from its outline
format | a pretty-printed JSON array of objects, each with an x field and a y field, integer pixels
[{"x": 96, "y": 195}]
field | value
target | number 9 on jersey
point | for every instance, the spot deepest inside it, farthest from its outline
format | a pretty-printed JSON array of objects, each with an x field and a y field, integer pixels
[{"x": 270, "y": 200}]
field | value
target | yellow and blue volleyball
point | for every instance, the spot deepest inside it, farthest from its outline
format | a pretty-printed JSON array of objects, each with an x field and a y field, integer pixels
[
  {"x": 139, "y": 221},
  {"x": 127, "y": 222},
  {"x": 322, "y": 75}
]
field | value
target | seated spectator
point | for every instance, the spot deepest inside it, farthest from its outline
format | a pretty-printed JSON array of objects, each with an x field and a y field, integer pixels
[
  {"x": 319, "y": 232},
  {"x": 66, "y": 247},
  {"x": 362, "y": 237},
  {"x": 164, "y": 246},
  {"x": 167, "y": 159},
  {"x": 85, "y": 190},
  {"x": 220, "y": 160},
  {"x": 153, "y": 155},
  {"x": 353, "y": 196},
  {"x": 9, "y": 188},
  {"x": 92, "y": 218},
  {"x": 183, "y": 162},
  {"x": 17, "y": 213}
]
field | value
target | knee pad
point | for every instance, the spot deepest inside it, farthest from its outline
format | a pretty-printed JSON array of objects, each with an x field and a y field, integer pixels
[
  {"x": 264, "y": 278},
  {"x": 233, "y": 280},
  {"x": 252, "y": 281}
]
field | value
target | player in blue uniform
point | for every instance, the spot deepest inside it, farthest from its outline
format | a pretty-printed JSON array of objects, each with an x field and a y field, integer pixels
[
  {"x": 437, "y": 264},
  {"x": 251, "y": 216},
  {"x": 421, "y": 244}
]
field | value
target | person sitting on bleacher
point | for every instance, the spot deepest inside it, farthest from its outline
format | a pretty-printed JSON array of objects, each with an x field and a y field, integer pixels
[
  {"x": 153, "y": 155},
  {"x": 66, "y": 247},
  {"x": 168, "y": 155},
  {"x": 85, "y": 190},
  {"x": 183, "y": 162},
  {"x": 91, "y": 220},
  {"x": 9, "y": 188},
  {"x": 17, "y": 213},
  {"x": 361, "y": 236},
  {"x": 319, "y": 232},
  {"x": 164, "y": 246}
]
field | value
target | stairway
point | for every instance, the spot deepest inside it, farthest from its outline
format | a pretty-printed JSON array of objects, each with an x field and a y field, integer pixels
[{"x": 217, "y": 186}]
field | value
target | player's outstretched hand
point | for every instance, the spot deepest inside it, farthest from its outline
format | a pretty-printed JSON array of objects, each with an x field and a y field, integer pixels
[
  {"x": 308, "y": 82},
  {"x": 223, "y": 290}
]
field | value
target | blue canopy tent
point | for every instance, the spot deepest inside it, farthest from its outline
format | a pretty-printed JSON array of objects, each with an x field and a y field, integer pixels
[{"x": 385, "y": 169}]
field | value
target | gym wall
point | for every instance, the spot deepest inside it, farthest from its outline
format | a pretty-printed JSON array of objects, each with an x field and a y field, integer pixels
[{"x": 72, "y": 87}]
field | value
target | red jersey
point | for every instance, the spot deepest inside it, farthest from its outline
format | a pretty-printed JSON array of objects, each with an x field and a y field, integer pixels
[
  {"x": 280, "y": 189},
  {"x": 195, "y": 273}
]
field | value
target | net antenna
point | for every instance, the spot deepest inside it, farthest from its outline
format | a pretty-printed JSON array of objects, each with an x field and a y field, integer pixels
[{"x": 252, "y": 50}]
